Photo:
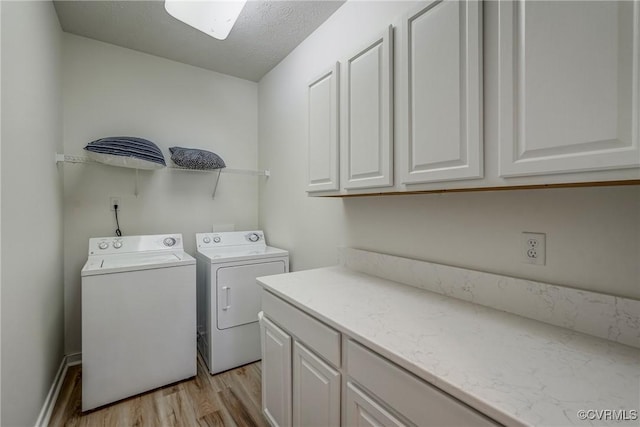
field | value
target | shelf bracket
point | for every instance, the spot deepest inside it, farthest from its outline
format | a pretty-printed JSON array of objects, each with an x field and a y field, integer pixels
[
  {"x": 216, "y": 179},
  {"x": 135, "y": 187}
]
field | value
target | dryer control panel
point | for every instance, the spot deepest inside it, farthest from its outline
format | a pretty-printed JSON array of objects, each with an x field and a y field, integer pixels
[{"x": 230, "y": 238}]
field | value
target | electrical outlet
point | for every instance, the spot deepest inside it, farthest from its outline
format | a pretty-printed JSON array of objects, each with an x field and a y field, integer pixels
[
  {"x": 534, "y": 248},
  {"x": 115, "y": 201}
]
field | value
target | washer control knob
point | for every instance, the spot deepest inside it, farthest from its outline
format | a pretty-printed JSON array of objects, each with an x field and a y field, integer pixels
[
  {"x": 253, "y": 237},
  {"x": 216, "y": 239},
  {"x": 206, "y": 239},
  {"x": 117, "y": 244},
  {"x": 169, "y": 241},
  {"x": 103, "y": 245}
]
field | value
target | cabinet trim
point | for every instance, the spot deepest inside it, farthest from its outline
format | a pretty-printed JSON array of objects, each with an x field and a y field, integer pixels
[{"x": 502, "y": 188}]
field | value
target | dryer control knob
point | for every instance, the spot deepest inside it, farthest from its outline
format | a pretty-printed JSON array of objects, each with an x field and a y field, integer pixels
[
  {"x": 253, "y": 237},
  {"x": 103, "y": 245},
  {"x": 206, "y": 239},
  {"x": 216, "y": 239},
  {"x": 117, "y": 244},
  {"x": 169, "y": 241}
]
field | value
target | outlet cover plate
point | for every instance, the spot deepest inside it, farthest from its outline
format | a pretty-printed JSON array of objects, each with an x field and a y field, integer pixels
[
  {"x": 113, "y": 200},
  {"x": 534, "y": 248}
]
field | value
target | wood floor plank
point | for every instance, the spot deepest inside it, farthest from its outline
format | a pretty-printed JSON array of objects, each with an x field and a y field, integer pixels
[
  {"x": 213, "y": 419},
  {"x": 202, "y": 395},
  {"x": 175, "y": 411},
  {"x": 236, "y": 409},
  {"x": 241, "y": 382},
  {"x": 229, "y": 399}
]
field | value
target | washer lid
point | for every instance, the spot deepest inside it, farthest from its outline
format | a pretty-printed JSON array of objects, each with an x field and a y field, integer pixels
[
  {"x": 105, "y": 264},
  {"x": 239, "y": 253}
]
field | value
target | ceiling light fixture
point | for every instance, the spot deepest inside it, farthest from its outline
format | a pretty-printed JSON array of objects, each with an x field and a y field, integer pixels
[{"x": 213, "y": 17}]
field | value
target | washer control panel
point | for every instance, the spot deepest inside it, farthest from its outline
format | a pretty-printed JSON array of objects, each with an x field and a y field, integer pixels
[
  {"x": 230, "y": 238},
  {"x": 129, "y": 244}
]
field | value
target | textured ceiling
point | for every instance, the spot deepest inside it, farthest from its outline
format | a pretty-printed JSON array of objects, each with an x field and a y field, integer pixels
[{"x": 264, "y": 34}]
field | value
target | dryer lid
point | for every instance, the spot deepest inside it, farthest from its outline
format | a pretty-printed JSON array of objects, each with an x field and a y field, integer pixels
[{"x": 240, "y": 253}]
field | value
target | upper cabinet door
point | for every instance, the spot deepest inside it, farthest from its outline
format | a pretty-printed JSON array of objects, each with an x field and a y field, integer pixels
[
  {"x": 324, "y": 130},
  {"x": 441, "y": 98},
  {"x": 368, "y": 115},
  {"x": 568, "y": 86}
]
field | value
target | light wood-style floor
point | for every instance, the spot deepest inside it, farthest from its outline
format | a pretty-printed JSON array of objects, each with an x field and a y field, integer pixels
[{"x": 232, "y": 398}]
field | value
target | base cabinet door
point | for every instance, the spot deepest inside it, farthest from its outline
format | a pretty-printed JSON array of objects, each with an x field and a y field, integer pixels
[
  {"x": 276, "y": 374},
  {"x": 363, "y": 411},
  {"x": 316, "y": 390}
]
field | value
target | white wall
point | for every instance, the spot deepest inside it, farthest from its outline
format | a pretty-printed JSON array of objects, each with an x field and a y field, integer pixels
[
  {"x": 593, "y": 234},
  {"x": 0, "y": 219},
  {"x": 32, "y": 283},
  {"x": 110, "y": 91}
]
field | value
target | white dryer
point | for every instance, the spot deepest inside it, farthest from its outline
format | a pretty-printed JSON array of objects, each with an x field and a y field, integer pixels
[
  {"x": 229, "y": 297},
  {"x": 138, "y": 316}
]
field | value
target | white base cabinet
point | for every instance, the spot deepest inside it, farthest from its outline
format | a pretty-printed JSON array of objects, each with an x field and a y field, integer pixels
[
  {"x": 306, "y": 354},
  {"x": 312, "y": 375},
  {"x": 316, "y": 390},
  {"x": 364, "y": 411},
  {"x": 276, "y": 374},
  {"x": 401, "y": 392}
]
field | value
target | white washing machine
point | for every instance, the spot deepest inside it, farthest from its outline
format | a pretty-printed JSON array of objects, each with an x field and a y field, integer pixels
[
  {"x": 229, "y": 297},
  {"x": 138, "y": 316}
]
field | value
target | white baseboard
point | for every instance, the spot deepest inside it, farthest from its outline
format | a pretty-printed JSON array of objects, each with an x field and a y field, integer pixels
[
  {"x": 74, "y": 359},
  {"x": 47, "y": 408}
]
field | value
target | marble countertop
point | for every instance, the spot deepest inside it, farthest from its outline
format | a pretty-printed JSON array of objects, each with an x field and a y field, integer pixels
[{"x": 515, "y": 370}]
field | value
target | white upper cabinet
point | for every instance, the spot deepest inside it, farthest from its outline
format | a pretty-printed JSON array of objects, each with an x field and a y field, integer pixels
[
  {"x": 324, "y": 131},
  {"x": 368, "y": 115},
  {"x": 568, "y": 86},
  {"x": 441, "y": 92}
]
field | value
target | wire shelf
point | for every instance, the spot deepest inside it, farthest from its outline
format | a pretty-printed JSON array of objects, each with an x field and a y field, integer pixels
[{"x": 74, "y": 158}]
